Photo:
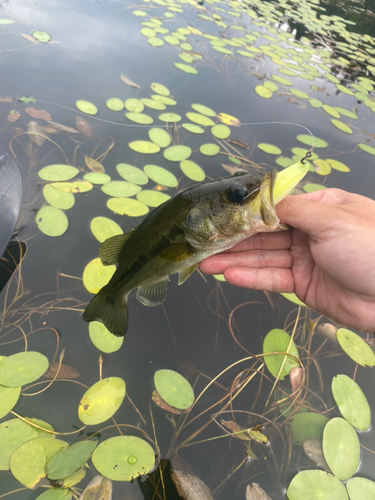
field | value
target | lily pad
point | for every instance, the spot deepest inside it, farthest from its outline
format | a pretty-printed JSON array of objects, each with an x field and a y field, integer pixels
[
  {"x": 315, "y": 103},
  {"x": 58, "y": 198},
  {"x": 97, "y": 178},
  {"x": 121, "y": 189},
  {"x": 115, "y": 104},
  {"x": 170, "y": 117},
  {"x": 123, "y": 458},
  {"x": 77, "y": 186},
  {"x": 144, "y": 147},
  {"x": 140, "y": 118},
  {"x": 58, "y": 173},
  {"x": 346, "y": 112},
  {"x": 22, "y": 368},
  {"x": 221, "y": 131},
  {"x": 152, "y": 198},
  {"x": 186, "y": 68},
  {"x": 278, "y": 341},
  {"x": 282, "y": 80},
  {"x": 271, "y": 86},
  {"x": 87, "y": 107},
  {"x": 101, "y": 401},
  {"x": 95, "y": 275},
  {"x": 269, "y": 148},
  {"x": 341, "y": 448},
  {"x": 263, "y": 91},
  {"x": 292, "y": 297},
  {"x": 337, "y": 165},
  {"x": 199, "y": 119},
  {"x": 168, "y": 101},
  {"x": 285, "y": 162},
  {"x": 313, "y": 484},
  {"x": 150, "y": 103},
  {"x": 160, "y": 137},
  {"x": 322, "y": 167},
  {"x": 366, "y": 148},
  {"x": 103, "y": 339},
  {"x": 194, "y": 129},
  {"x": 41, "y": 36},
  {"x": 8, "y": 399},
  {"x": 55, "y": 494},
  {"x": 342, "y": 126},
  {"x": 311, "y": 186},
  {"x": 307, "y": 425},
  {"x": 134, "y": 105},
  {"x": 192, "y": 170},
  {"x": 312, "y": 141},
  {"x": 132, "y": 174},
  {"x": 13, "y": 434},
  {"x": 160, "y": 89},
  {"x": 177, "y": 153},
  {"x": 299, "y": 93},
  {"x": 203, "y": 110},
  {"x": 209, "y": 149},
  {"x": 155, "y": 41},
  {"x": 70, "y": 459},
  {"x": 103, "y": 228},
  {"x": 127, "y": 206},
  {"x": 161, "y": 176},
  {"x": 355, "y": 347},
  {"x": 360, "y": 488},
  {"x": 27, "y": 464},
  {"x": 174, "y": 389},
  {"x": 351, "y": 402}
]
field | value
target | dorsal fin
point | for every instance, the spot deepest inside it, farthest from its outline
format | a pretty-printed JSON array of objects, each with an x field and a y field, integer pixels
[{"x": 110, "y": 249}]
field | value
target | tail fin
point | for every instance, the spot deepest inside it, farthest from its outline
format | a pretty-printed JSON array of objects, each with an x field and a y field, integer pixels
[{"x": 113, "y": 315}]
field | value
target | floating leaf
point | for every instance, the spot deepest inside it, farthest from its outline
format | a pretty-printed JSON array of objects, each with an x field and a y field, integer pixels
[
  {"x": 140, "y": 118},
  {"x": 302, "y": 152},
  {"x": 27, "y": 464},
  {"x": 337, "y": 165},
  {"x": 103, "y": 228},
  {"x": 312, "y": 141},
  {"x": 55, "y": 494},
  {"x": 13, "y": 434},
  {"x": 163, "y": 99},
  {"x": 41, "y": 36},
  {"x": 170, "y": 117},
  {"x": 58, "y": 173},
  {"x": 150, "y": 103},
  {"x": 134, "y": 106},
  {"x": 341, "y": 448},
  {"x": 209, "y": 149},
  {"x": 101, "y": 401},
  {"x": 192, "y": 170},
  {"x": 227, "y": 119},
  {"x": 160, "y": 89},
  {"x": 123, "y": 458},
  {"x": 86, "y": 107},
  {"x": 200, "y": 119},
  {"x": 366, "y": 148},
  {"x": 144, "y": 147},
  {"x": 26, "y": 100},
  {"x": 160, "y": 137},
  {"x": 8, "y": 399},
  {"x": 69, "y": 460},
  {"x": 161, "y": 175},
  {"x": 57, "y": 198},
  {"x": 346, "y": 112},
  {"x": 119, "y": 189},
  {"x": 103, "y": 339},
  {"x": 351, "y": 402},
  {"x": 316, "y": 103},
  {"x": 6, "y": 21},
  {"x": 73, "y": 478},
  {"x": 51, "y": 221},
  {"x": 39, "y": 114},
  {"x": 269, "y": 148},
  {"x": 203, "y": 110},
  {"x": 177, "y": 153},
  {"x": 313, "y": 484},
  {"x": 307, "y": 425},
  {"x": 127, "y": 206},
  {"x": 322, "y": 167},
  {"x": 271, "y": 86},
  {"x": 97, "y": 178},
  {"x": 310, "y": 187},
  {"x": 342, "y": 126},
  {"x": 292, "y": 297},
  {"x": 174, "y": 389},
  {"x": 95, "y": 275},
  {"x": 186, "y": 68},
  {"x": 355, "y": 347},
  {"x": 115, "y": 104},
  {"x": 285, "y": 162},
  {"x": 221, "y": 131},
  {"x": 132, "y": 174},
  {"x": 331, "y": 111},
  {"x": 22, "y": 368},
  {"x": 299, "y": 93},
  {"x": 281, "y": 79},
  {"x": 263, "y": 91},
  {"x": 278, "y": 341},
  {"x": 155, "y": 41},
  {"x": 78, "y": 186},
  {"x": 360, "y": 488},
  {"x": 194, "y": 129},
  {"x": 152, "y": 198}
]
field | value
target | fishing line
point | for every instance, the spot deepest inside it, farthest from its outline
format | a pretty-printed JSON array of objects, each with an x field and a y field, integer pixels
[{"x": 179, "y": 126}]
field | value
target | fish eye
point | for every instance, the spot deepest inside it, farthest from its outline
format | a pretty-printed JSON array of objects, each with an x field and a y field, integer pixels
[{"x": 237, "y": 193}]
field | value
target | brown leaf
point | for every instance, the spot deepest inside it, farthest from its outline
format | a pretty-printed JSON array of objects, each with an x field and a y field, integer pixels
[
  {"x": 190, "y": 487},
  {"x": 99, "y": 488},
  {"x": 34, "y": 129},
  {"x": 94, "y": 165},
  {"x": 313, "y": 449},
  {"x": 65, "y": 371},
  {"x": 83, "y": 126},
  {"x": 238, "y": 143},
  {"x": 156, "y": 398},
  {"x": 63, "y": 128},
  {"x": 255, "y": 492},
  {"x": 6, "y": 99},
  {"x": 39, "y": 114},
  {"x": 13, "y": 116},
  {"x": 129, "y": 82},
  {"x": 29, "y": 38},
  {"x": 232, "y": 169}
]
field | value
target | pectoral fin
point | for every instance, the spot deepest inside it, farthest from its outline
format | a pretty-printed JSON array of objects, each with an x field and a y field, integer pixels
[
  {"x": 153, "y": 295},
  {"x": 177, "y": 252},
  {"x": 186, "y": 273},
  {"x": 268, "y": 205},
  {"x": 110, "y": 249}
]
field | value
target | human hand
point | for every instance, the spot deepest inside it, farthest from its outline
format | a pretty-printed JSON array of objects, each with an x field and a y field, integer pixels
[{"x": 327, "y": 258}]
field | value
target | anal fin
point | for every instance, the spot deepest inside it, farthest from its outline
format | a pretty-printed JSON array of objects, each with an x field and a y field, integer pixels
[
  {"x": 186, "y": 273},
  {"x": 110, "y": 249},
  {"x": 154, "y": 294}
]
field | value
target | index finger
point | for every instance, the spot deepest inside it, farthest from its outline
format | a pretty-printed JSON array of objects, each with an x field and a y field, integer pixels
[{"x": 280, "y": 240}]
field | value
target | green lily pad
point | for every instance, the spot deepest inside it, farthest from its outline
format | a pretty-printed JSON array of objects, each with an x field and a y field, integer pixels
[
  {"x": 271, "y": 86},
  {"x": 331, "y": 111},
  {"x": 70, "y": 459},
  {"x": 186, "y": 68},
  {"x": 123, "y": 458},
  {"x": 344, "y": 89},
  {"x": 314, "y": 484},
  {"x": 101, "y": 401},
  {"x": 8, "y": 399},
  {"x": 144, "y": 147},
  {"x": 160, "y": 137},
  {"x": 58, "y": 198},
  {"x": 27, "y": 464},
  {"x": 132, "y": 174},
  {"x": 194, "y": 129},
  {"x": 140, "y": 118},
  {"x": 337, "y": 165},
  {"x": 221, "y": 131},
  {"x": 161, "y": 176},
  {"x": 307, "y": 425},
  {"x": 366, "y": 148},
  {"x": 269, "y": 148},
  {"x": 346, "y": 112},
  {"x": 170, "y": 117},
  {"x": 160, "y": 89},
  {"x": 186, "y": 57},
  {"x": 315, "y": 103},
  {"x": 342, "y": 126},
  {"x": 41, "y": 36},
  {"x": 360, "y": 488},
  {"x": 312, "y": 141},
  {"x": 55, "y": 494},
  {"x": 192, "y": 170},
  {"x": 22, "y": 368},
  {"x": 103, "y": 339},
  {"x": 168, "y": 101},
  {"x": 97, "y": 178},
  {"x": 147, "y": 32},
  {"x": 341, "y": 448},
  {"x": 134, "y": 105},
  {"x": 351, "y": 402},
  {"x": 282, "y": 80},
  {"x": 152, "y": 198},
  {"x": 203, "y": 110},
  {"x": 186, "y": 46},
  {"x": 174, "y": 389},
  {"x": 115, "y": 104},
  {"x": 177, "y": 153},
  {"x": 58, "y": 173},
  {"x": 199, "y": 119},
  {"x": 301, "y": 152},
  {"x": 150, "y": 103},
  {"x": 155, "y": 41},
  {"x": 285, "y": 162},
  {"x": 127, "y": 206},
  {"x": 292, "y": 297},
  {"x": 311, "y": 186},
  {"x": 13, "y": 434},
  {"x": 299, "y": 93},
  {"x": 7, "y": 21},
  {"x": 78, "y": 186},
  {"x": 87, "y": 107},
  {"x": 277, "y": 341},
  {"x": 322, "y": 167},
  {"x": 355, "y": 347},
  {"x": 209, "y": 149},
  {"x": 121, "y": 189},
  {"x": 95, "y": 275},
  {"x": 103, "y": 228},
  {"x": 50, "y": 446},
  {"x": 263, "y": 91}
]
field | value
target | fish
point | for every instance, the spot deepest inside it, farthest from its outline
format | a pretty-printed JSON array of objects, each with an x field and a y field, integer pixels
[{"x": 196, "y": 223}]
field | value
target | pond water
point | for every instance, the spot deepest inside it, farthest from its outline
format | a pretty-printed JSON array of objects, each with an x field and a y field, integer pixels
[{"x": 277, "y": 69}]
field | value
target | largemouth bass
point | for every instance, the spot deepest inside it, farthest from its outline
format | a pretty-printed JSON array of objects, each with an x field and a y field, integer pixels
[{"x": 201, "y": 221}]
